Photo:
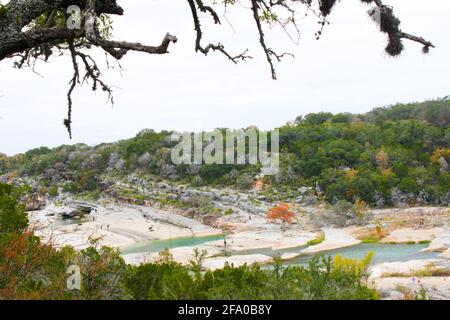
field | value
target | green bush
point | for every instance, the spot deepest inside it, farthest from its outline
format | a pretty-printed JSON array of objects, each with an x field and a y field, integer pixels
[
  {"x": 320, "y": 280},
  {"x": 13, "y": 217},
  {"x": 53, "y": 191}
]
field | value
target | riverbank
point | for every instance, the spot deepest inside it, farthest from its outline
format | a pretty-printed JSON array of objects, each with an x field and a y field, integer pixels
[
  {"x": 121, "y": 225},
  {"x": 249, "y": 238},
  {"x": 115, "y": 225}
]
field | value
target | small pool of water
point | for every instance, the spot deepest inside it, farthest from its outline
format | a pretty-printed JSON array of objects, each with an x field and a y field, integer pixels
[
  {"x": 68, "y": 222},
  {"x": 160, "y": 245}
]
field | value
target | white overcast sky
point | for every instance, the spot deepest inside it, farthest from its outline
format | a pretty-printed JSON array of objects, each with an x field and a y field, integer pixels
[{"x": 345, "y": 71}]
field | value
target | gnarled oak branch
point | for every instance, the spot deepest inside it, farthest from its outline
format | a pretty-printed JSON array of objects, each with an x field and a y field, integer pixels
[{"x": 34, "y": 29}]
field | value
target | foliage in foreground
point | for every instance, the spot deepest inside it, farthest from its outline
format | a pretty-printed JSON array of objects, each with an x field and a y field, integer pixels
[
  {"x": 31, "y": 269},
  {"x": 322, "y": 279}
]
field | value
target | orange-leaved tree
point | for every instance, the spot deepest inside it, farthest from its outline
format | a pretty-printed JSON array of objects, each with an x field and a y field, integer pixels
[{"x": 281, "y": 213}]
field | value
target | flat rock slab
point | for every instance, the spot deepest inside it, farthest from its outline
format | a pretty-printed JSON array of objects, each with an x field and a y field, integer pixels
[
  {"x": 440, "y": 244},
  {"x": 407, "y": 267},
  {"x": 437, "y": 288},
  {"x": 445, "y": 254},
  {"x": 140, "y": 258},
  {"x": 237, "y": 261},
  {"x": 413, "y": 235},
  {"x": 181, "y": 255},
  {"x": 292, "y": 242},
  {"x": 334, "y": 239},
  {"x": 274, "y": 240},
  {"x": 290, "y": 256}
]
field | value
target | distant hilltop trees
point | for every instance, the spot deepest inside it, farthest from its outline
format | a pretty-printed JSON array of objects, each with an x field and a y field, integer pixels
[{"x": 390, "y": 156}]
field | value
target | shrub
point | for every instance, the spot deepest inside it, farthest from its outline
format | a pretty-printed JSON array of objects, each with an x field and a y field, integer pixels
[
  {"x": 228, "y": 212},
  {"x": 321, "y": 279},
  {"x": 198, "y": 201},
  {"x": 317, "y": 241},
  {"x": 13, "y": 217},
  {"x": 344, "y": 214},
  {"x": 53, "y": 191},
  {"x": 245, "y": 182}
]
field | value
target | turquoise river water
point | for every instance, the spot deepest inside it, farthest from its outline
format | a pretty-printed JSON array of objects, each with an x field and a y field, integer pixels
[{"x": 383, "y": 252}]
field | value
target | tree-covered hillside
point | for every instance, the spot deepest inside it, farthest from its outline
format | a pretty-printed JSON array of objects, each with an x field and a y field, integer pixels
[{"x": 396, "y": 154}]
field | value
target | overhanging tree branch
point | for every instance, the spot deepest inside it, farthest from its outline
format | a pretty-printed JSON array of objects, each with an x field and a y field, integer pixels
[{"x": 35, "y": 29}]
